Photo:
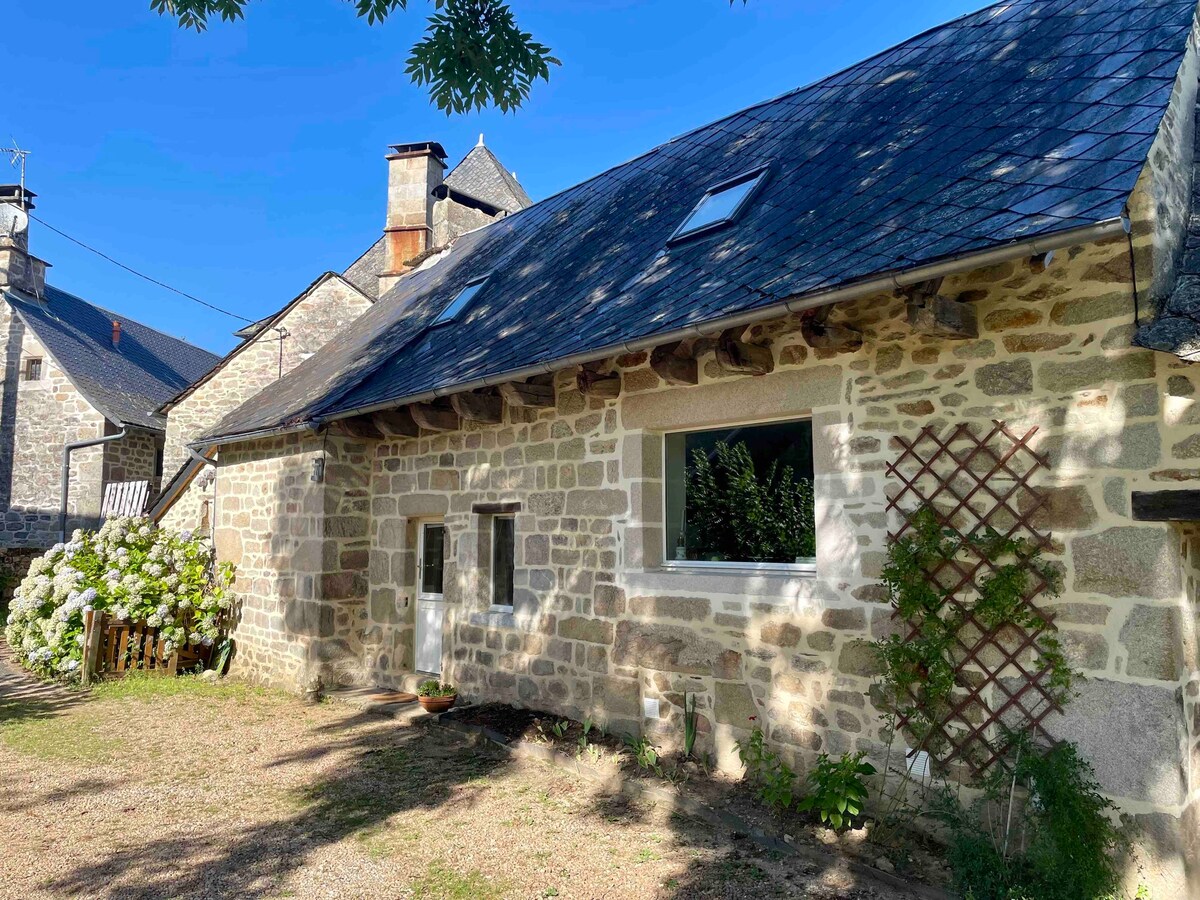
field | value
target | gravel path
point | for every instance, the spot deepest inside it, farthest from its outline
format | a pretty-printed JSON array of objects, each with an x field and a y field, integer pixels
[{"x": 178, "y": 788}]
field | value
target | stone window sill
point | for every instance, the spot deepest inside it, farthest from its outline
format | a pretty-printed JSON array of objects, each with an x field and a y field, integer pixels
[
  {"x": 497, "y": 617},
  {"x": 784, "y": 585}
]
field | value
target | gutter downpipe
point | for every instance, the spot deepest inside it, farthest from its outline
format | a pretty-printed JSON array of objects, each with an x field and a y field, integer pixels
[
  {"x": 68, "y": 449},
  {"x": 952, "y": 265}
]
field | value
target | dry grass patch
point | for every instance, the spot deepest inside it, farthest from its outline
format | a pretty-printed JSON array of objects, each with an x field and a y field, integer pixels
[{"x": 180, "y": 788}]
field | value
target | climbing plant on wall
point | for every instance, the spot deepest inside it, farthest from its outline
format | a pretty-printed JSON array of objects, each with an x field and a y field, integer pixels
[{"x": 974, "y": 658}]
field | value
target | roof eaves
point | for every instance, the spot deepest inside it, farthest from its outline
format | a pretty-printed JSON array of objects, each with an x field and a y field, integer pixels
[{"x": 824, "y": 296}]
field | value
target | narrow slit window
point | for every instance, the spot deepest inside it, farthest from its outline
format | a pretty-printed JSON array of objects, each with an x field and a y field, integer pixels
[
  {"x": 33, "y": 368},
  {"x": 460, "y": 302},
  {"x": 433, "y": 549},
  {"x": 721, "y": 204},
  {"x": 503, "y": 558}
]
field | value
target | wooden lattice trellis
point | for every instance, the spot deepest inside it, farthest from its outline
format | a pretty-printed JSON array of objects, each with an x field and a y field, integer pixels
[{"x": 974, "y": 483}]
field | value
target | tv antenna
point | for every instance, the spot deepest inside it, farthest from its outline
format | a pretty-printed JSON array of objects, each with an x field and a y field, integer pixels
[{"x": 16, "y": 158}]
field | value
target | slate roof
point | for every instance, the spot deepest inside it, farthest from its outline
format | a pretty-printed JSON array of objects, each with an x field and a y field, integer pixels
[
  {"x": 364, "y": 272},
  {"x": 127, "y": 383},
  {"x": 481, "y": 176},
  {"x": 1023, "y": 119}
]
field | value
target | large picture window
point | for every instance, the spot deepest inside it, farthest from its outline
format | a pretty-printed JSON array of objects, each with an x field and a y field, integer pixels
[{"x": 741, "y": 495}]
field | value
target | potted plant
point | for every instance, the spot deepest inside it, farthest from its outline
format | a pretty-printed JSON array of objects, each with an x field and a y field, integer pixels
[{"x": 436, "y": 697}]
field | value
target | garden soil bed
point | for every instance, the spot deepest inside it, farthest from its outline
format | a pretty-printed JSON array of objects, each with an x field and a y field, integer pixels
[{"x": 916, "y": 857}]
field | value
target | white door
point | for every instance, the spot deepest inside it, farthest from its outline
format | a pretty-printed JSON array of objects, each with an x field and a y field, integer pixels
[{"x": 431, "y": 608}]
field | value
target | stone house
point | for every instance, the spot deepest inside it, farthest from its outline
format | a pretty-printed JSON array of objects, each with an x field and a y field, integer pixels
[
  {"x": 78, "y": 397},
  {"x": 489, "y": 474},
  {"x": 425, "y": 214}
]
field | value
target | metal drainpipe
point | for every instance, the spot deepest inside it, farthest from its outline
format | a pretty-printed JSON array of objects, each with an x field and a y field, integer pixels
[{"x": 68, "y": 449}]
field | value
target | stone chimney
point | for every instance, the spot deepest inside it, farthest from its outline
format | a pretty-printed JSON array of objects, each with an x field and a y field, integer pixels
[
  {"x": 18, "y": 269},
  {"x": 414, "y": 170}
]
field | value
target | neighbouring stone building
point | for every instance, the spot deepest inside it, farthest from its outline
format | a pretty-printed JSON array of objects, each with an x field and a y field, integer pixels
[
  {"x": 73, "y": 374},
  {"x": 425, "y": 214},
  {"x": 487, "y": 475}
]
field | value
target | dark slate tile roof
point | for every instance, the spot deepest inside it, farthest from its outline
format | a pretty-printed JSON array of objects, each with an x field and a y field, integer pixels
[
  {"x": 126, "y": 384},
  {"x": 482, "y": 176},
  {"x": 1020, "y": 120},
  {"x": 364, "y": 272},
  {"x": 1177, "y": 327}
]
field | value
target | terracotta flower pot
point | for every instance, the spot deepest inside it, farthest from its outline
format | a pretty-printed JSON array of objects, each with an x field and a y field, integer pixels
[{"x": 437, "y": 704}]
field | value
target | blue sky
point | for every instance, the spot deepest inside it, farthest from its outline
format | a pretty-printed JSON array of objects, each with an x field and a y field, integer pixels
[{"x": 241, "y": 163}]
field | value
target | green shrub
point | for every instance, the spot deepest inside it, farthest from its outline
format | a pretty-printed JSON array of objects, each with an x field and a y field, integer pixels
[
  {"x": 774, "y": 781},
  {"x": 837, "y": 790},
  {"x": 1059, "y": 842},
  {"x": 435, "y": 688},
  {"x": 132, "y": 570},
  {"x": 735, "y": 514}
]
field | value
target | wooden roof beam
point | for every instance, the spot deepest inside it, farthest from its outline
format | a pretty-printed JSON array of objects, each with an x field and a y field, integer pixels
[
  {"x": 434, "y": 418},
  {"x": 396, "y": 423},
  {"x": 475, "y": 406},
  {"x": 672, "y": 366},
  {"x": 596, "y": 383},
  {"x": 931, "y": 313},
  {"x": 735, "y": 355},
  {"x": 528, "y": 394}
]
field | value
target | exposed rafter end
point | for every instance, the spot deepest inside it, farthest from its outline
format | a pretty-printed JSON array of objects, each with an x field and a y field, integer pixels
[
  {"x": 672, "y": 366},
  {"x": 528, "y": 394},
  {"x": 475, "y": 406},
  {"x": 434, "y": 418},
  {"x": 930, "y": 313},
  {"x": 396, "y": 423},
  {"x": 602, "y": 385},
  {"x": 1040, "y": 262},
  {"x": 735, "y": 355},
  {"x": 356, "y": 427},
  {"x": 820, "y": 335}
]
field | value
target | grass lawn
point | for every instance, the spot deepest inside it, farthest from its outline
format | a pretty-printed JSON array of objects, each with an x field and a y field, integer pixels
[{"x": 152, "y": 788}]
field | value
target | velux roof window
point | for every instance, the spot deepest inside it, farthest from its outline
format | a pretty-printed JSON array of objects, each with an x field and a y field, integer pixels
[
  {"x": 460, "y": 302},
  {"x": 721, "y": 204}
]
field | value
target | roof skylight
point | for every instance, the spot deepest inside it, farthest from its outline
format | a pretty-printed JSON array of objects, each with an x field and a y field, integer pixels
[
  {"x": 459, "y": 303},
  {"x": 721, "y": 204}
]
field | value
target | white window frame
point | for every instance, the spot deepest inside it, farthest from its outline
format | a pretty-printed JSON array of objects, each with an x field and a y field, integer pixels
[
  {"x": 756, "y": 176},
  {"x": 421, "y": 593},
  {"x": 699, "y": 566},
  {"x": 494, "y": 518}
]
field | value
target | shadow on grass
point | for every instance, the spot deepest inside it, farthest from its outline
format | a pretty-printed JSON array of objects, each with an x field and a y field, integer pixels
[
  {"x": 15, "y": 801},
  {"x": 380, "y": 773}
]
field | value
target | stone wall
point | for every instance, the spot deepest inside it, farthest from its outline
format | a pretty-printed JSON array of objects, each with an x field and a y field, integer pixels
[
  {"x": 134, "y": 458},
  {"x": 451, "y": 219},
  {"x": 300, "y": 547},
  {"x": 316, "y": 316},
  {"x": 600, "y": 625},
  {"x": 36, "y": 419}
]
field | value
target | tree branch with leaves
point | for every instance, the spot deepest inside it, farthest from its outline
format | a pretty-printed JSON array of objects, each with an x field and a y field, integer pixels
[{"x": 472, "y": 54}]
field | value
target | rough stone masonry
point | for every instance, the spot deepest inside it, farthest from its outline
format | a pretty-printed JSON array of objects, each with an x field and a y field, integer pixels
[{"x": 327, "y": 569}]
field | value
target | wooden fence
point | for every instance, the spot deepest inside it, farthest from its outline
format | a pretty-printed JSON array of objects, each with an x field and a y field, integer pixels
[
  {"x": 124, "y": 498},
  {"x": 113, "y": 649}
]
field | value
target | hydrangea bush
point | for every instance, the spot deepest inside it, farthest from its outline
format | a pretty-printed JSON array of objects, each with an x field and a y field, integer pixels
[{"x": 132, "y": 570}]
